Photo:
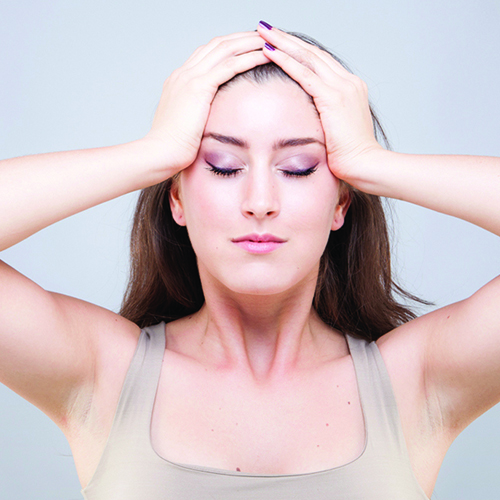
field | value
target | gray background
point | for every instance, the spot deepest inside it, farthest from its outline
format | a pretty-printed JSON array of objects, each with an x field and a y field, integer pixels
[{"x": 79, "y": 74}]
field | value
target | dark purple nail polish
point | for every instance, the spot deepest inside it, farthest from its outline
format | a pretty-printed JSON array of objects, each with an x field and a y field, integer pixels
[
  {"x": 265, "y": 25},
  {"x": 269, "y": 46}
]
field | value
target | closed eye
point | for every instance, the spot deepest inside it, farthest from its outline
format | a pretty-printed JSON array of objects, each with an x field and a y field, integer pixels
[
  {"x": 225, "y": 172},
  {"x": 300, "y": 173},
  {"x": 229, "y": 172}
]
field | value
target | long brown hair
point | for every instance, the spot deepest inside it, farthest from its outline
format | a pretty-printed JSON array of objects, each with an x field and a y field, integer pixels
[{"x": 355, "y": 291}]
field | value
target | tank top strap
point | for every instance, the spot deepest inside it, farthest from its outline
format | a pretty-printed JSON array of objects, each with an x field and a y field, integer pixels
[
  {"x": 129, "y": 437},
  {"x": 378, "y": 403},
  {"x": 135, "y": 406}
]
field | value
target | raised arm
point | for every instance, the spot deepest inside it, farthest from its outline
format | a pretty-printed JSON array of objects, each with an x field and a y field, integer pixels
[
  {"x": 460, "y": 342},
  {"x": 52, "y": 346},
  {"x": 457, "y": 348},
  {"x": 48, "y": 342},
  {"x": 466, "y": 187},
  {"x": 38, "y": 190}
]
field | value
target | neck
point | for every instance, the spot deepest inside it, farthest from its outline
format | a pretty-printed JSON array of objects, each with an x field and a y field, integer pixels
[{"x": 264, "y": 337}]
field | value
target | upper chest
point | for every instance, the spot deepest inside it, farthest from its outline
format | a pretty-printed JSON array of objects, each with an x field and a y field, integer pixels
[
  {"x": 312, "y": 422},
  {"x": 214, "y": 419}
]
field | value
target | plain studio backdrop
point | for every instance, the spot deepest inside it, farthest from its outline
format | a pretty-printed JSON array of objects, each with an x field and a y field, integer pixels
[{"x": 81, "y": 74}]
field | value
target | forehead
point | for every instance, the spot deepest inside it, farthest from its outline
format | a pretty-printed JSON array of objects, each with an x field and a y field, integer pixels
[{"x": 276, "y": 108}]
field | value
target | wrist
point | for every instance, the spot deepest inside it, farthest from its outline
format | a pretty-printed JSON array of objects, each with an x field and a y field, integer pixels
[
  {"x": 155, "y": 159},
  {"x": 372, "y": 171}
]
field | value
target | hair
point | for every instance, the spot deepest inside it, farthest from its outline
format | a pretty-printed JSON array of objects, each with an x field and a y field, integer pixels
[{"x": 355, "y": 290}]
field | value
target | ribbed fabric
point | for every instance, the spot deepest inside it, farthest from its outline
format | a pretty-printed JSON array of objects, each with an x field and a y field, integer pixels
[{"x": 130, "y": 469}]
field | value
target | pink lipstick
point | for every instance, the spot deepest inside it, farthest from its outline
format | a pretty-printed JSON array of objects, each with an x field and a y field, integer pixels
[{"x": 259, "y": 243}]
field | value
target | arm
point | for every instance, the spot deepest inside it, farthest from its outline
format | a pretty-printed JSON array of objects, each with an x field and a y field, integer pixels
[
  {"x": 52, "y": 346},
  {"x": 466, "y": 187},
  {"x": 48, "y": 342},
  {"x": 36, "y": 191},
  {"x": 458, "y": 345}
]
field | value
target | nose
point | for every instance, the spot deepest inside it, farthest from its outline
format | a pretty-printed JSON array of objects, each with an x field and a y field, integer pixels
[{"x": 260, "y": 197}]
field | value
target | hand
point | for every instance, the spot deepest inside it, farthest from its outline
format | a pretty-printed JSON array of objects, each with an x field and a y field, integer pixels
[
  {"x": 188, "y": 92},
  {"x": 340, "y": 97}
]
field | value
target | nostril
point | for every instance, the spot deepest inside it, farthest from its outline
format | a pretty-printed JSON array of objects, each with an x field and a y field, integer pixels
[{"x": 260, "y": 200}]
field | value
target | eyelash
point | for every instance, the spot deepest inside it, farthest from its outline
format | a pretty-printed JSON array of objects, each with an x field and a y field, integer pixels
[
  {"x": 229, "y": 172},
  {"x": 300, "y": 173},
  {"x": 225, "y": 172}
]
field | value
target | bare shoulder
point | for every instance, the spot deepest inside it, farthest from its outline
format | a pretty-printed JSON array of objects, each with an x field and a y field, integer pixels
[
  {"x": 454, "y": 350},
  {"x": 405, "y": 354},
  {"x": 52, "y": 345},
  {"x": 114, "y": 340},
  {"x": 404, "y": 351},
  {"x": 90, "y": 416}
]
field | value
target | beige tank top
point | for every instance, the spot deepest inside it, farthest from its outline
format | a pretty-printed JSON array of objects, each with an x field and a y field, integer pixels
[{"x": 130, "y": 469}]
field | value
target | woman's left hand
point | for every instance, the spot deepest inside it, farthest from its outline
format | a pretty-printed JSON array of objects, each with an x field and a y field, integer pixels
[
  {"x": 341, "y": 99},
  {"x": 458, "y": 346}
]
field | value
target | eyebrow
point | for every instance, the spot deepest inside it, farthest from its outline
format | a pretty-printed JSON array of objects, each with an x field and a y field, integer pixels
[{"x": 280, "y": 144}]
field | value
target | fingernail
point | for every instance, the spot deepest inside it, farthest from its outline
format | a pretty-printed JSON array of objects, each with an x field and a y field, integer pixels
[
  {"x": 265, "y": 25},
  {"x": 268, "y": 46}
]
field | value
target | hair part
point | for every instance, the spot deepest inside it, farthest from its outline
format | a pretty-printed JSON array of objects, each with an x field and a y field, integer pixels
[{"x": 355, "y": 291}]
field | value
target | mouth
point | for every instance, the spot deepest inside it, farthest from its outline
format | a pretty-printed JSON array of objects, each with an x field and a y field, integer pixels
[
  {"x": 259, "y": 243},
  {"x": 259, "y": 238}
]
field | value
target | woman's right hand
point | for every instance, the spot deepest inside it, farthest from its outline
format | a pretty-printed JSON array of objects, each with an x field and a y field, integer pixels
[
  {"x": 50, "y": 344},
  {"x": 188, "y": 92},
  {"x": 36, "y": 191}
]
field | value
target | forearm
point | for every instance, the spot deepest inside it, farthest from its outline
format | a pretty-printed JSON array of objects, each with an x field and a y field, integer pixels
[
  {"x": 467, "y": 187},
  {"x": 36, "y": 191}
]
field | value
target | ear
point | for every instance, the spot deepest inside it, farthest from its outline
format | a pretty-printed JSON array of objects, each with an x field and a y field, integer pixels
[
  {"x": 176, "y": 203},
  {"x": 342, "y": 207}
]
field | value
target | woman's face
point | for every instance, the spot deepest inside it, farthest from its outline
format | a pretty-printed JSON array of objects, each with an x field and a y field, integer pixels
[{"x": 259, "y": 201}]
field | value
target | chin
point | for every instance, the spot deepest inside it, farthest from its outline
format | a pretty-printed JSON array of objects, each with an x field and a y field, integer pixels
[
  {"x": 267, "y": 283},
  {"x": 260, "y": 279},
  {"x": 261, "y": 289}
]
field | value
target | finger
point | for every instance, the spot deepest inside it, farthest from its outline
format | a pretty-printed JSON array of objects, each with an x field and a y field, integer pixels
[
  {"x": 285, "y": 40},
  {"x": 226, "y": 50},
  {"x": 203, "y": 50},
  {"x": 309, "y": 55},
  {"x": 316, "y": 63},
  {"x": 229, "y": 68},
  {"x": 304, "y": 52},
  {"x": 308, "y": 79}
]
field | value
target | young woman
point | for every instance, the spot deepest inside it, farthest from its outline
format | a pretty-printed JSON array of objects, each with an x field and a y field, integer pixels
[{"x": 260, "y": 274}]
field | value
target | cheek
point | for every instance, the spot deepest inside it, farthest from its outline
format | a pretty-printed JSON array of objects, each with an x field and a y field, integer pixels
[
  {"x": 314, "y": 204},
  {"x": 205, "y": 204},
  {"x": 210, "y": 204}
]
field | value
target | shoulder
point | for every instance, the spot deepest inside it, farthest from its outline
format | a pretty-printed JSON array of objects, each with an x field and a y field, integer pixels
[
  {"x": 426, "y": 435},
  {"x": 403, "y": 352},
  {"x": 113, "y": 340},
  {"x": 454, "y": 351}
]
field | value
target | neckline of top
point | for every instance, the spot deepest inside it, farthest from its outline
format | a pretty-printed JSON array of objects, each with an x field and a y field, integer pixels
[{"x": 227, "y": 472}]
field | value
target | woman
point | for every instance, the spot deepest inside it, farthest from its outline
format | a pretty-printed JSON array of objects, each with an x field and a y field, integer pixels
[{"x": 258, "y": 386}]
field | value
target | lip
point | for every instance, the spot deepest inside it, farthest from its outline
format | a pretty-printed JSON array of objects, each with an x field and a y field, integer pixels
[
  {"x": 259, "y": 238},
  {"x": 259, "y": 243}
]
